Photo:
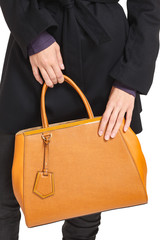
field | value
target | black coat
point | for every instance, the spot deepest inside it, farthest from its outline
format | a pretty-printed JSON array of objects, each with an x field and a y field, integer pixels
[{"x": 98, "y": 44}]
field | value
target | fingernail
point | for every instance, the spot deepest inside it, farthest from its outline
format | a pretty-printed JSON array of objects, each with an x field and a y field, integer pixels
[
  {"x": 107, "y": 137},
  {"x": 62, "y": 66},
  {"x": 125, "y": 129},
  {"x": 113, "y": 135},
  {"x": 100, "y": 132}
]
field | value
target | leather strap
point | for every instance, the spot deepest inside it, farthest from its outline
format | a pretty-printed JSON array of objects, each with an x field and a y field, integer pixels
[
  {"x": 46, "y": 140},
  {"x": 72, "y": 83}
]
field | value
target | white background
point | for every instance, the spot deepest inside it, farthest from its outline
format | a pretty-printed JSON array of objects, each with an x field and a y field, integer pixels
[{"x": 134, "y": 223}]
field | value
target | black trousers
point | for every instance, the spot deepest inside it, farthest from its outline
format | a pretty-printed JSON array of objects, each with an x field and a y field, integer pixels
[{"x": 84, "y": 227}]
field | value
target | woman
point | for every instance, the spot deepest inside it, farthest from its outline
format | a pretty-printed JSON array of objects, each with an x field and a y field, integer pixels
[{"x": 111, "y": 58}]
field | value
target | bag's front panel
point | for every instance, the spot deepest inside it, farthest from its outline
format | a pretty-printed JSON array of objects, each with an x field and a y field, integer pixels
[{"x": 90, "y": 175}]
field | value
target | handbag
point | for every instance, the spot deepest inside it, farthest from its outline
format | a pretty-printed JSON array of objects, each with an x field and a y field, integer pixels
[{"x": 66, "y": 170}]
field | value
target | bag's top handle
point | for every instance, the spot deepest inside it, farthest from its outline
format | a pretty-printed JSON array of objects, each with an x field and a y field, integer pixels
[{"x": 72, "y": 83}]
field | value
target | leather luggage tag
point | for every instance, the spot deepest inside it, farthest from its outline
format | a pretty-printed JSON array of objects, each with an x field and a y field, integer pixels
[{"x": 44, "y": 184}]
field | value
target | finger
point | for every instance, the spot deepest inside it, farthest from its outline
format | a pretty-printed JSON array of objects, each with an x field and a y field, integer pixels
[
  {"x": 36, "y": 74},
  {"x": 111, "y": 122},
  {"x": 58, "y": 73},
  {"x": 118, "y": 123},
  {"x": 104, "y": 119},
  {"x": 51, "y": 74},
  {"x": 46, "y": 78},
  {"x": 59, "y": 58},
  {"x": 128, "y": 118}
]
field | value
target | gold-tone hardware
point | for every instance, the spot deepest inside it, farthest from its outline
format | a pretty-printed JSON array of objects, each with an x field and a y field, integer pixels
[{"x": 46, "y": 138}]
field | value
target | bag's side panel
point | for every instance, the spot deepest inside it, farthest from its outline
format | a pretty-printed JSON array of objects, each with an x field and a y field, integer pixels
[
  {"x": 135, "y": 149},
  {"x": 17, "y": 169}
]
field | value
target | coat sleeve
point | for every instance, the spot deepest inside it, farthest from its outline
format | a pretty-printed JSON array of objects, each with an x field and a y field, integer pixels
[
  {"x": 26, "y": 20},
  {"x": 135, "y": 68}
]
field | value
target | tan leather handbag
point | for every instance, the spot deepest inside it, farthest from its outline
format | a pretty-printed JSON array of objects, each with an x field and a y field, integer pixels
[{"x": 65, "y": 170}]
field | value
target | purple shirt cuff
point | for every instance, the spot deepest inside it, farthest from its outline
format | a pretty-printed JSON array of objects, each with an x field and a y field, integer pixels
[
  {"x": 42, "y": 41},
  {"x": 124, "y": 88}
]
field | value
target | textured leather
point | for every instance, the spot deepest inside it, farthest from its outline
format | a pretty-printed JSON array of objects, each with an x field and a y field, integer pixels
[{"x": 80, "y": 173}]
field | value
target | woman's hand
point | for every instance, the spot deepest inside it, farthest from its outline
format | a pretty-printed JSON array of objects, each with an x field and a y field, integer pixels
[
  {"x": 49, "y": 62},
  {"x": 118, "y": 103}
]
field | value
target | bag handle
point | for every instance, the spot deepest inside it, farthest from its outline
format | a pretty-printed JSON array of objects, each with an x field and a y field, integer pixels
[{"x": 72, "y": 83}]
